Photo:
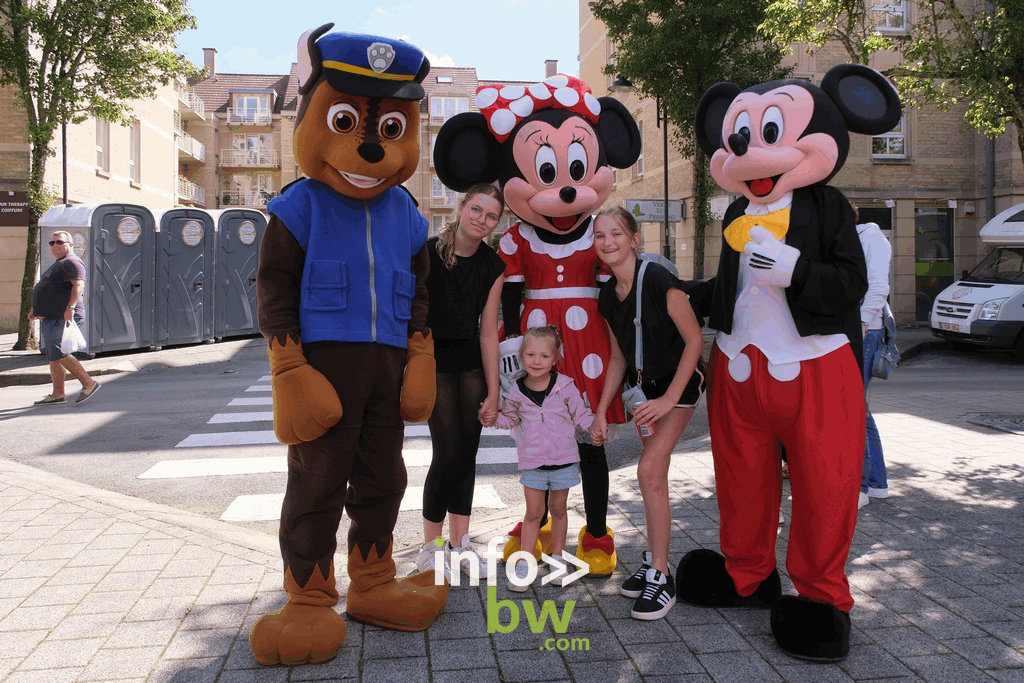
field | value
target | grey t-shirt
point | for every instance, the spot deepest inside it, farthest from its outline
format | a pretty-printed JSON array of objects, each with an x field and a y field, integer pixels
[{"x": 52, "y": 293}]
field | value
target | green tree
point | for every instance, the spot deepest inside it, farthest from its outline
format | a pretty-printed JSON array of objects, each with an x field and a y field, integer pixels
[
  {"x": 676, "y": 50},
  {"x": 72, "y": 59},
  {"x": 970, "y": 52},
  {"x": 851, "y": 23}
]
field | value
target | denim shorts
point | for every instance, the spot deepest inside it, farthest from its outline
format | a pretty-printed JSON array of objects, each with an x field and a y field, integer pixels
[
  {"x": 51, "y": 334},
  {"x": 551, "y": 480}
]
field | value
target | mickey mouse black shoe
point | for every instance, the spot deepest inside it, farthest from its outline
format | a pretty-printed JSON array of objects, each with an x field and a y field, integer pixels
[
  {"x": 810, "y": 630},
  {"x": 702, "y": 580}
]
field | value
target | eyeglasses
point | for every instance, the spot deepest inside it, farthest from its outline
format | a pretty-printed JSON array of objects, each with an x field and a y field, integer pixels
[
  {"x": 53, "y": 242},
  {"x": 476, "y": 212}
]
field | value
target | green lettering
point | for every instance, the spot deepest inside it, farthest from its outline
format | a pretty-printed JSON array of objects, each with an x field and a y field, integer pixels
[
  {"x": 494, "y": 613},
  {"x": 560, "y": 623}
]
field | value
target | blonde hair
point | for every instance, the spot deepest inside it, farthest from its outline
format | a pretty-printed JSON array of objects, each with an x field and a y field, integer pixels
[
  {"x": 446, "y": 235},
  {"x": 546, "y": 332},
  {"x": 625, "y": 220}
]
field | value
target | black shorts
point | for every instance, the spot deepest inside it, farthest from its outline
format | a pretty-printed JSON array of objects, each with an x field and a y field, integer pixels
[{"x": 695, "y": 388}]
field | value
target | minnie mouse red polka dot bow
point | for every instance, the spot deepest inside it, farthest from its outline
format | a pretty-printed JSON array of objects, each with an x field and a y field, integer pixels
[{"x": 504, "y": 107}]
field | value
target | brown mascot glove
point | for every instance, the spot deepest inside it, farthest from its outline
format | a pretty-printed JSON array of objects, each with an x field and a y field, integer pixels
[
  {"x": 305, "y": 403},
  {"x": 419, "y": 387}
]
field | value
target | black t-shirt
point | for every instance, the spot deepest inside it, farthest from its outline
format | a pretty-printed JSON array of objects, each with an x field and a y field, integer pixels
[
  {"x": 52, "y": 293},
  {"x": 663, "y": 345},
  {"x": 457, "y": 296}
]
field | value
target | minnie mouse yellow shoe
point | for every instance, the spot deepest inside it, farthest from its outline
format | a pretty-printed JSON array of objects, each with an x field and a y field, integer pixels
[
  {"x": 515, "y": 543},
  {"x": 599, "y": 553}
]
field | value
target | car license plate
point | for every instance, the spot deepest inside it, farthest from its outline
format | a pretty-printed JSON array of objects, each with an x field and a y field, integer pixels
[{"x": 952, "y": 327}]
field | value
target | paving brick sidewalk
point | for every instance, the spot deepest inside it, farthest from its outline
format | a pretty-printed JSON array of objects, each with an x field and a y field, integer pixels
[{"x": 97, "y": 586}]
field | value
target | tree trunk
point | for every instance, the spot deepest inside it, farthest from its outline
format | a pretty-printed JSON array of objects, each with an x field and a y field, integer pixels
[
  {"x": 703, "y": 186},
  {"x": 27, "y": 339}
]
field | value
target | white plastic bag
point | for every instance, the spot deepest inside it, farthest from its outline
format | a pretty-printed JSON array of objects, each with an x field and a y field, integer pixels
[{"x": 73, "y": 341}]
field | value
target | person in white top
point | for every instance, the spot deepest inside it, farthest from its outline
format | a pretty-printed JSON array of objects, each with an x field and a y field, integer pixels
[{"x": 878, "y": 255}]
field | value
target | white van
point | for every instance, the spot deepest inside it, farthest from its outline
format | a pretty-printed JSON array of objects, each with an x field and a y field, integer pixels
[{"x": 986, "y": 306}]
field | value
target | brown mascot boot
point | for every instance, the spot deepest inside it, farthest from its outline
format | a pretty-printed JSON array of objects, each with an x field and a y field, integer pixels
[
  {"x": 375, "y": 597},
  {"x": 307, "y": 629}
]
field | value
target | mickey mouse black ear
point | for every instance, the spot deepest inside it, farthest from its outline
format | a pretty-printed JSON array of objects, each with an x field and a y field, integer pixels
[
  {"x": 714, "y": 105},
  {"x": 868, "y": 102},
  {"x": 466, "y": 153}
]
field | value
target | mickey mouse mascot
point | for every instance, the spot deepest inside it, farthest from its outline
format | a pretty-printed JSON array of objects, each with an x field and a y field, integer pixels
[
  {"x": 786, "y": 361},
  {"x": 342, "y": 304},
  {"x": 550, "y": 146}
]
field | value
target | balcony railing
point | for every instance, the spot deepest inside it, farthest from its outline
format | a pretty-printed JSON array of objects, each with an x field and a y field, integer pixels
[
  {"x": 257, "y": 198},
  {"x": 190, "y": 192},
  {"x": 187, "y": 97},
  {"x": 179, "y": 129},
  {"x": 249, "y": 157},
  {"x": 240, "y": 116},
  {"x": 192, "y": 147}
]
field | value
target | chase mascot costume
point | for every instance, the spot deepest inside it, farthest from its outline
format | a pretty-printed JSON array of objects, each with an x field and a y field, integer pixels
[
  {"x": 786, "y": 361},
  {"x": 551, "y": 147},
  {"x": 342, "y": 304}
]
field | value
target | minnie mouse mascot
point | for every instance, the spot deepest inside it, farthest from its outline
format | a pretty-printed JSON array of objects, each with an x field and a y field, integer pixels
[
  {"x": 786, "y": 361},
  {"x": 550, "y": 146}
]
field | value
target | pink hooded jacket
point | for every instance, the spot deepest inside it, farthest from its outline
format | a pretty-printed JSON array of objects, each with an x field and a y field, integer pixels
[{"x": 546, "y": 435}]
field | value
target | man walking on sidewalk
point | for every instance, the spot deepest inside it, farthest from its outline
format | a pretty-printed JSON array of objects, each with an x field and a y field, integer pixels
[{"x": 57, "y": 299}]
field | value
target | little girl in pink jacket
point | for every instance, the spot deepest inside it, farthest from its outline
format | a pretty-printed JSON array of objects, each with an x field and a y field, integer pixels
[{"x": 544, "y": 410}]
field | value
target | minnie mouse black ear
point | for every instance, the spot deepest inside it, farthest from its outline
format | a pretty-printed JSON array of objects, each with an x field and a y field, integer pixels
[
  {"x": 868, "y": 102},
  {"x": 466, "y": 153}
]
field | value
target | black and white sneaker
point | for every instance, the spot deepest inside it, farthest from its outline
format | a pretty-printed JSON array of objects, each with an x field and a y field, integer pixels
[
  {"x": 634, "y": 585},
  {"x": 658, "y": 597}
]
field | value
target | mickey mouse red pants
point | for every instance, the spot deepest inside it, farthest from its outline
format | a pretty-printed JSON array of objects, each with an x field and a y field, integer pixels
[{"x": 819, "y": 417}]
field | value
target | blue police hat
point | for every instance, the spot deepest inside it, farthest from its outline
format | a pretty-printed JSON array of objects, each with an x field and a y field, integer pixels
[{"x": 372, "y": 66}]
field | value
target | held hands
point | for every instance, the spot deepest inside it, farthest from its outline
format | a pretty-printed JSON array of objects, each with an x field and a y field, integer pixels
[
  {"x": 488, "y": 413},
  {"x": 772, "y": 260},
  {"x": 599, "y": 430}
]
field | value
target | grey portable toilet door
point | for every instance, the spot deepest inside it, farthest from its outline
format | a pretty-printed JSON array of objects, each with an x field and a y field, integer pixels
[
  {"x": 123, "y": 267},
  {"x": 241, "y": 234},
  {"x": 183, "y": 293}
]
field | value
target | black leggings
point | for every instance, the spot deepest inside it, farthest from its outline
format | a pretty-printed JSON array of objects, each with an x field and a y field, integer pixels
[{"x": 455, "y": 437}]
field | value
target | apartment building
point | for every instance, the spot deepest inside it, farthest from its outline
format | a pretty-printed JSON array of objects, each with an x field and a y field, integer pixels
[{"x": 926, "y": 183}]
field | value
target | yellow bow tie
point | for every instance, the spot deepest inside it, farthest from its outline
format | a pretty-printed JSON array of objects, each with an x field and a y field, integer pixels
[{"x": 737, "y": 234}]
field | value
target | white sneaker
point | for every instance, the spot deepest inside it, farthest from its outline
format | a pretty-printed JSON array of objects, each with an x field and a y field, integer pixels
[
  {"x": 468, "y": 557},
  {"x": 862, "y": 500},
  {"x": 877, "y": 493},
  {"x": 521, "y": 572},
  {"x": 426, "y": 560}
]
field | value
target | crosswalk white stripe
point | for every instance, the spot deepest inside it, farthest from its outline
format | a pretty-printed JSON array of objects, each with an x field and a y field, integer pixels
[
  {"x": 254, "y": 438},
  {"x": 260, "y": 401},
  {"x": 259, "y": 387},
  {"x": 265, "y": 378},
  {"x": 424, "y": 430},
  {"x": 223, "y": 418},
  {"x": 267, "y": 507}
]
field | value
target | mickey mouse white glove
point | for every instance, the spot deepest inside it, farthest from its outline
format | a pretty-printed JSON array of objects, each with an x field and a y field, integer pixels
[
  {"x": 773, "y": 261},
  {"x": 509, "y": 367}
]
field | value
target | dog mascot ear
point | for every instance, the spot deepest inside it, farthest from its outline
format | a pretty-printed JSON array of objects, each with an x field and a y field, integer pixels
[
  {"x": 342, "y": 304},
  {"x": 787, "y": 357}
]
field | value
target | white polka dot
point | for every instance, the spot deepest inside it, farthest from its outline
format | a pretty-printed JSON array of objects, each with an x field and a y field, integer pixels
[
  {"x": 593, "y": 366},
  {"x": 522, "y": 107},
  {"x": 560, "y": 269},
  {"x": 560, "y": 278},
  {"x": 503, "y": 121},
  {"x": 540, "y": 91},
  {"x": 557, "y": 81},
  {"x": 592, "y": 104},
  {"x": 507, "y": 244},
  {"x": 536, "y": 319},
  {"x": 576, "y": 318},
  {"x": 567, "y": 96},
  {"x": 486, "y": 97},
  {"x": 784, "y": 372},
  {"x": 739, "y": 368},
  {"x": 512, "y": 92}
]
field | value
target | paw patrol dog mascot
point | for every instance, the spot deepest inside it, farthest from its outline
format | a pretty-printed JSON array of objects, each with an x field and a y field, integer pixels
[
  {"x": 786, "y": 361},
  {"x": 342, "y": 304},
  {"x": 552, "y": 146}
]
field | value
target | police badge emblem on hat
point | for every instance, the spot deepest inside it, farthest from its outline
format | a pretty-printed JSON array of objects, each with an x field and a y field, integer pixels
[{"x": 380, "y": 56}]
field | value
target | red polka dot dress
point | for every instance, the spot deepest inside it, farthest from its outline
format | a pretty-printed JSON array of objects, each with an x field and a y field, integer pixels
[{"x": 561, "y": 286}]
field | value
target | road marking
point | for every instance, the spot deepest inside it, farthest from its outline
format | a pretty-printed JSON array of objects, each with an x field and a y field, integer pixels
[
  {"x": 267, "y": 507},
  {"x": 259, "y": 387},
  {"x": 222, "y": 418},
  {"x": 256, "y": 438},
  {"x": 424, "y": 430},
  {"x": 265, "y": 378},
  {"x": 420, "y": 457},
  {"x": 261, "y": 401},
  {"x": 209, "y": 467}
]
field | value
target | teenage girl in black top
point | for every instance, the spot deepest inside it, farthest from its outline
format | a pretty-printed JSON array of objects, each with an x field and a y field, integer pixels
[
  {"x": 465, "y": 294},
  {"x": 673, "y": 382}
]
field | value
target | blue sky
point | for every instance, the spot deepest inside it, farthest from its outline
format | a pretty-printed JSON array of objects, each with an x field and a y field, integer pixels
[{"x": 503, "y": 39}]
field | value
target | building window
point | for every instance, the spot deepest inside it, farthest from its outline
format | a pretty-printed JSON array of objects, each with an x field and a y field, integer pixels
[
  {"x": 134, "y": 150},
  {"x": 436, "y": 188},
  {"x": 447, "y": 107},
  {"x": 251, "y": 109},
  {"x": 889, "y": 15},
  {"x": 103, "y": 145},
  {"x": 891, "y": 145},
  {"x": 438, "y": 222},
  {"x": 444, "y": 79},
  {"x": 638, "y": 167}
]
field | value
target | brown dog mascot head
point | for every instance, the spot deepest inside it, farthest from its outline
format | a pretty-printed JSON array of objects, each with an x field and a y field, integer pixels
[{"x": 358, "y": 124}]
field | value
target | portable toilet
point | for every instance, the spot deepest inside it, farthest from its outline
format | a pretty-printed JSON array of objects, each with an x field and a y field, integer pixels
[
  {"x": 239, "y": 235},
  {"x": 117, "y": 243},
  {"x": 184, "y": 277}
]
